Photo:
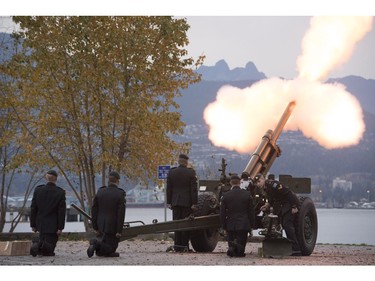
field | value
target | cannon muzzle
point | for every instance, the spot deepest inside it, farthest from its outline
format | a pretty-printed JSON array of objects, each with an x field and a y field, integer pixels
[{"x": 267, "y": 151}]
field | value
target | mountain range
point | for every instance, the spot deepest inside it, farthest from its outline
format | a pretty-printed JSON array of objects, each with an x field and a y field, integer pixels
[{"x": 221, "y": 72}]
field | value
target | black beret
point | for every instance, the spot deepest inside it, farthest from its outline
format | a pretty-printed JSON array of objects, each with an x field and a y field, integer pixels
[
  {"x": 245, "y": 175},
  {"x": 52, "y": 172},
  {"x": 114, "y": 174},
  {"x": 235, "y": 177},
  {"x": 183, "y": 156}
]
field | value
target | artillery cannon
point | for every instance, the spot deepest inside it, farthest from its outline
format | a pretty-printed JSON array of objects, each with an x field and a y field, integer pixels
[{"x": 204, "y": 225}]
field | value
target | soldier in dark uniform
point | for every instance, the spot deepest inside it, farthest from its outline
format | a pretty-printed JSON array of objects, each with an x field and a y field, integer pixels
[
  {"x": 285, "y": 203},
  {"x": 259, "y": 199},
  {"x": 108, "y": 214},
  {"x": 182, "y": 198},
  {"x": 48, "y": 209},
  {"x": 236, "y": 216}
]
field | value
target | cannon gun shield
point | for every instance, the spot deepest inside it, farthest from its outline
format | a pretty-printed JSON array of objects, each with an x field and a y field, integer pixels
[{"x": 276, "y": 247}]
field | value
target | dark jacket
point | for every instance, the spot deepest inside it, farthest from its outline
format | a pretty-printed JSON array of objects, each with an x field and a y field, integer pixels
[
  {"x": 281, "y": 199},
  {"x": 108, "y": 209},
  {"x": 237, "y": 210},
  {"x": 48, "y": 208},
  {"x": 259, "y": 197},
  {"x": 182, "y": 187}
]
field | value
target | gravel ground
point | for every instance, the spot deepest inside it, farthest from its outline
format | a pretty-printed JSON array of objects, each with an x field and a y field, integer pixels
[
  {"x": 145, "y": 252},
  {"x": 148, "y": 260}
]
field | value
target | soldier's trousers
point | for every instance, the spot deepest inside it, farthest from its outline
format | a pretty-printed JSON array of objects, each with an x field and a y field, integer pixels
[
  {"x": 288, "y": 223},
  {"x": 237, "y": 241},
  {"x": 181, "y": 238},
  {"x": 47, "y": 243},
  {"x": 108, "y": 245}
]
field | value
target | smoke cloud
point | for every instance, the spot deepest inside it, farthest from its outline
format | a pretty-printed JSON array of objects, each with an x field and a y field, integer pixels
[
  {"x": 327, "y": 113},
  {"x": 329, "y": 43}
]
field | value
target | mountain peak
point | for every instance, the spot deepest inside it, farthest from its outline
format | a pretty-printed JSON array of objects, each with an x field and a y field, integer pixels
[
  {"x": 221, "y": 72},
  {"x": 222, "y": 64}
]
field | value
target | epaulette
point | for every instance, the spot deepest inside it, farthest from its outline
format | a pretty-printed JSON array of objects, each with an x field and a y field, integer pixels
[{"x": 104, "y": 186}]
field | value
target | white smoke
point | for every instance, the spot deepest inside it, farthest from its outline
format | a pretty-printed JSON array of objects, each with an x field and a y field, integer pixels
[
  {"x": 329, "y": 43},
  {"x": 326, "y": 113}
]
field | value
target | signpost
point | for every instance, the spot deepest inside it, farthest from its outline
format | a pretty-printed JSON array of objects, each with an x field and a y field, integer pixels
[
  {"x": 163, "y": 172},
  {"x": 162, "y": 175}
]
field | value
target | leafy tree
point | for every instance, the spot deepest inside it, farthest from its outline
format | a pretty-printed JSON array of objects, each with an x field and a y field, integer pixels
[
  {"x": 98, "y": 94},
  {"x": 9, "y": 150},
  {"x": 14, "y": 158}
]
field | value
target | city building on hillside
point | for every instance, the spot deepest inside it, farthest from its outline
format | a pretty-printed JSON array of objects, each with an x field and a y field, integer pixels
[
  {"x": 342, "y": 184},
  {"x": 142, "y": 195}
]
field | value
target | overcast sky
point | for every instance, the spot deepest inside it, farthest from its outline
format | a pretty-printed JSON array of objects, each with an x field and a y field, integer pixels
[{"x": 272, "y": 43}]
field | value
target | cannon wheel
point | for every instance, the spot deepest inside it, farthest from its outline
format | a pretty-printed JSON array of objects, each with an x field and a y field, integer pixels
[
  {"x": 205, "y": 240},
  {"x": 307, "y": 226}
]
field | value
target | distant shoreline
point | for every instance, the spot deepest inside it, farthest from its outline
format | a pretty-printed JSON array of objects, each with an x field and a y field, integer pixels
[{"x": 144, "y": 205}]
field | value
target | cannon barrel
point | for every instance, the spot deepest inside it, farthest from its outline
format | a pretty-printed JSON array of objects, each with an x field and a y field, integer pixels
[{"x": 267, "y": 151}]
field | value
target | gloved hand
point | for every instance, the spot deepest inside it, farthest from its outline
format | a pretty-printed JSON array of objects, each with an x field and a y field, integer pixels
[{"x": 265, "y": 207}]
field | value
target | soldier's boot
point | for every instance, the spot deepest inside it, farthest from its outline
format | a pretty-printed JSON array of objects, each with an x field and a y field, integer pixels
[
  {"x": 92, "y": 248},
  {"x": 35, "y": 247},
  {"x": 231, "y": 249}
]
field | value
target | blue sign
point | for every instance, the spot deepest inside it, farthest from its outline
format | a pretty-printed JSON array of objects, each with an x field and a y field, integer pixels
[{"x": 163, "y": 172}]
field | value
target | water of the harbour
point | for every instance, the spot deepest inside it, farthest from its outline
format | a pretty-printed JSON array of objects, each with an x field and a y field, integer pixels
[{"x": 335, "y": 226}]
